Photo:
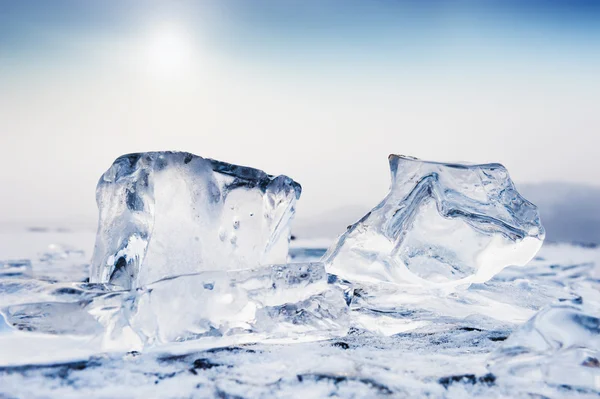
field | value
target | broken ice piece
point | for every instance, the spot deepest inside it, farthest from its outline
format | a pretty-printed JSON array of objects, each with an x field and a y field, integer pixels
[
  {"x": 440, "y": 225},
  {"x": 15, "y": 268},
  {"x": 279, "y": 301},
  {"x": 560, "y": 346},
  {"x": 164, "y": 214}
]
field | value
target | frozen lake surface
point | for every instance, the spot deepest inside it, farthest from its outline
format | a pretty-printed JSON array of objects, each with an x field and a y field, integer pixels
[{"x": 426, "y": 352}]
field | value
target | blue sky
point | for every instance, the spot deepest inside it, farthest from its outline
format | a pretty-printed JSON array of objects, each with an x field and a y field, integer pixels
[{"x": 384, "y": 30}]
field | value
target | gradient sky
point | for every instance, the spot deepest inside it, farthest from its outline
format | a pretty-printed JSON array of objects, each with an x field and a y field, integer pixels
[{"x": 321, "y": 91}]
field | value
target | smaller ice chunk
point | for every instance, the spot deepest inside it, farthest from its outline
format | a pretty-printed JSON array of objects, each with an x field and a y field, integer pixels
[
  {"x": 50, "y": 307},
  {"x": 559, "y": 346},
  {"x": 440, "y": 225},
  {"x": 164, "y": 214}
]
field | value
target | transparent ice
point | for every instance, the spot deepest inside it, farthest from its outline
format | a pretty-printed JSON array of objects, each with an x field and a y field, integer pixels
[
  {"x": 440, "y": 225},
  {"x": 460, "y": 326},
  {"x": 165, "y": 214},
  {"x": 280, "y": 301}
]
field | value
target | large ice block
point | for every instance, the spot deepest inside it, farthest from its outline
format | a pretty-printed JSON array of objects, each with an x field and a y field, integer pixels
[
  {"x": 164, "y": 214},
  {"x": 440, "y": 225}
]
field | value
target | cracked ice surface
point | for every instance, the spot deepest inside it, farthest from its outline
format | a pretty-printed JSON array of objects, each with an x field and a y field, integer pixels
[
  {"x": 448, "y": 358},
  {"x": 165, "y": 214},
  {"x": 440, "y": 225}
]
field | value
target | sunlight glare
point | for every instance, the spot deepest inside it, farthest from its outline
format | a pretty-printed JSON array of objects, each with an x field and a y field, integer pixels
[{"x": 169, "y": 52}]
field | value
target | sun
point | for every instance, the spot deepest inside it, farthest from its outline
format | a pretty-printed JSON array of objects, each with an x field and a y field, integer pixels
[{"x": 168, "y": 52}]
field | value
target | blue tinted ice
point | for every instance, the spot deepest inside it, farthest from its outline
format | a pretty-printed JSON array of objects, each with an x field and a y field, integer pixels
[
  {"x": 440, "y": 224},
  {"x": 165, "y": 214}
]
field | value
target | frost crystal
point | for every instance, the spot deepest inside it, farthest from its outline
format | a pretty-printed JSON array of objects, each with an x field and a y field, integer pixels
[
  {"x": 440, "y": 225},
  {"x": 165, "y": 214}
]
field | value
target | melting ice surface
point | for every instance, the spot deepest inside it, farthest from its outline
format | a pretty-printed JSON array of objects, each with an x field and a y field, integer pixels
[{"x": 463, "y": 325}]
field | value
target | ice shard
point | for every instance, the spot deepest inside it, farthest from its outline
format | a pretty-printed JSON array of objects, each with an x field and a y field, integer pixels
[
  {"x": 440, "y": 225},
  {"x": 164, "y": 214},
  {"x": 559, "y": 346}
]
